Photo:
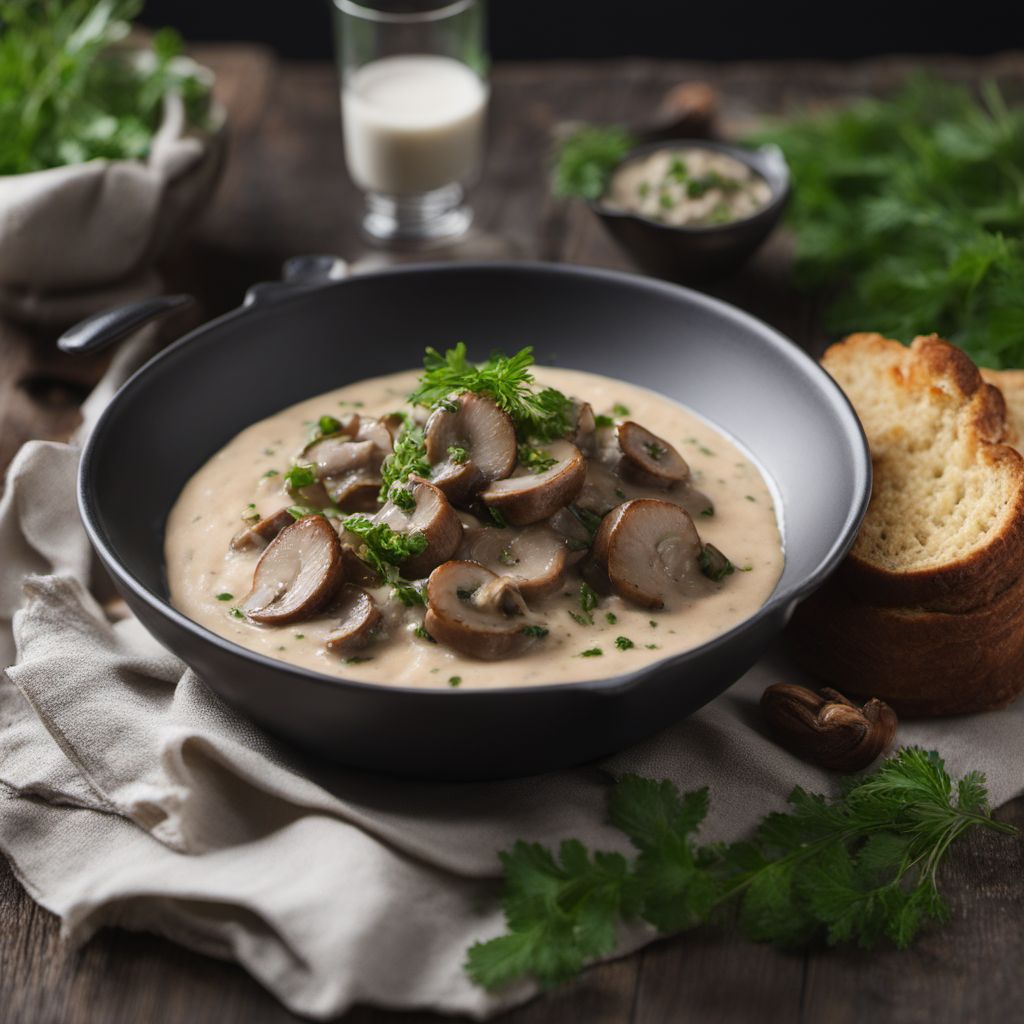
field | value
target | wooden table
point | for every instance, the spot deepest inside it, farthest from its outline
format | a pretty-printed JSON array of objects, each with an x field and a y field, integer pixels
[{"x": 286, "y": 192}]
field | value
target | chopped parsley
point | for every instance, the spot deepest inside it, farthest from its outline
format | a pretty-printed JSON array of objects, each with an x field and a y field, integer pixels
[
  {"x": 302, "y": 474},
  {"x": 603, "y": 421},
  {"x": 507, "y": 558},
  {"x": 225, "y": 597},
  {"x": 272, "y": 472},
  {"x": 328, "y": 425},
  {"x": 611, "y": 618},
  {"x": 714, "y": 564},
  {"x": 580, "y": 618},
  {"x": 624, "y": 643},
  {"x": 536, "y": 460},
  {"x": 750, "y": 497},
  {"x": 588, "y": 598},
  {"x": 592, "y": 652},
  {"x": 457, "y": 454},
  {"x": 498, "y": 518},
  {"x": 655, "y": 451},
  {"x": 620, "y": 410},
  {"x": 383, "y": 549},
  {"x": 537, "y": 631},
  {"x": 454, "y": 680},
  {"x": 421, "y": 632},
  {"x": 408, "y": 458},
  {"x": 249, "y": 514},
  {"x": 708, "y": 512},
  {"x": 403, "y": 498},
  {"x": 236, "y": 613}
]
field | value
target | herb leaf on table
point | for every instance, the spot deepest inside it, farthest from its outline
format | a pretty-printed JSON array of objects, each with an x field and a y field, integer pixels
[
  {"x": 862, "y": 868},
  {"x": 912, "y": 209}
]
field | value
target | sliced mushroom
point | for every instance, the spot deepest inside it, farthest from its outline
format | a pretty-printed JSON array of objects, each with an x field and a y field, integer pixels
[
  {"x": 337, "y": 455},
  {"x": 482, "y": 437},
  {"x": 355, "y": 491},
  {"x": 432, "y": 517},
  {"x": 650, "y": 549},
  {"x": 261, "y": 533},
  {"x": 375, "y": 431},
  {"x": 475, "y": 612},
  {"x": 531, "y": 497},
  {"x": 535, "y": 559},
  {"x": 297, "y": 575},
  {"x": 355, "y": 570},
  {"x": 575, "y": 535},
  {"x": 601, "y": 491},
  {"x": 649, "y": 460},
  {"x": 359, "y": 617},
  {"x": 584, "y": 434}
]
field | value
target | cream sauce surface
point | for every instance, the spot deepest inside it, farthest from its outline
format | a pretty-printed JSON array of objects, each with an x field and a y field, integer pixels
[{"x": 208, "y": 579}]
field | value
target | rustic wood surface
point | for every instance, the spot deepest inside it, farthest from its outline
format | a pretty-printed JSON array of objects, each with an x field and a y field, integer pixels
[{"x": 286, "y": 192}]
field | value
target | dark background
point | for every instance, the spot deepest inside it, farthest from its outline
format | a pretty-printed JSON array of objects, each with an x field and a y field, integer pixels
[{"x": 711, "y": 29}]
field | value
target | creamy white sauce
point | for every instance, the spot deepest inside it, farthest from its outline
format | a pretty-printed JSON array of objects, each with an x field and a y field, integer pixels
[
  {"x": 413, "y": 123},
  {"x": 688, "y": 186},
  {"x": 201, "y": 564}
]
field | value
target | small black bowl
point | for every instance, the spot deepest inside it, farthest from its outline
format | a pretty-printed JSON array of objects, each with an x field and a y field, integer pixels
[{"x": 685, "y": 253}]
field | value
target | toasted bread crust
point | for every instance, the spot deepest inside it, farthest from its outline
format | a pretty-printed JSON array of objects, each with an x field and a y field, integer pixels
[
  {"x": 921, "y": 662},
  {"x": 1010, "y": 384},
  {"x": 944, "y": 375}
]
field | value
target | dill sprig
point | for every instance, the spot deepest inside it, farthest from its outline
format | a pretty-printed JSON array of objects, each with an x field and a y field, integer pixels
[
  {"x": 860, "y": 869},
  {"x": 542, "y": 414},
  {"x": 914, "y": 205}
]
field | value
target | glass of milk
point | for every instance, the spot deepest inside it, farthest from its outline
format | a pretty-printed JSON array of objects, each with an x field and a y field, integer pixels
[{"x": 413, "y": 98}]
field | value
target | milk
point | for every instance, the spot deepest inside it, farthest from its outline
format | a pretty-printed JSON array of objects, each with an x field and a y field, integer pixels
[{"x": 412, "y": 123}]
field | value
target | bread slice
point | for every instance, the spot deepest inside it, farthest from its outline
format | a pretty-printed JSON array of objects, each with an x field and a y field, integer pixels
[
  {"x": 919, "y": 662},
  {"x": 1011, "y": 386},
  {"x": 945, "y": 527}
]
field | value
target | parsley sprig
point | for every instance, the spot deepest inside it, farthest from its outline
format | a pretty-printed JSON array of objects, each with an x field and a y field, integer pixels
[
  {"x": 862, "y": 869},
  {"x": 384, "y": 549},
  {"x": 587, "y": 158},
  {"x": 543, "y": 414}
]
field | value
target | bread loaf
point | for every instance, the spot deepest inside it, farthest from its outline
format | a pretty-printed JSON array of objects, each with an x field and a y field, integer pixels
[{"x": 927, "y": 611}]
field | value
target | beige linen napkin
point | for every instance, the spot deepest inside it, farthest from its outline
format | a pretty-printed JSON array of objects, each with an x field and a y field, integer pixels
[
  {"x": 131, "y": 796},
  {"x": 77, "y": 239}
]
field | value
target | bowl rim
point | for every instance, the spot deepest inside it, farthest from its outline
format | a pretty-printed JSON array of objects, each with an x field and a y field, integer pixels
[
  {"x": 781, "y": 598},
  {"x": 747, "y": 155}
]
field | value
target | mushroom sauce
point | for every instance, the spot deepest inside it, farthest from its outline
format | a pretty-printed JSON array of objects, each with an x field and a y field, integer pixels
[
  {"x": 644, "y": 533},
  {"x": 688, "y": 187}
]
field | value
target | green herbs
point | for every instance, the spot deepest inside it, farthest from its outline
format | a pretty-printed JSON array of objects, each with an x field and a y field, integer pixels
[
  {"x": 624, "y": 643},
  {"x": 421, "y": 632},
  {"x": 409, "y": 458},
  {"x": 236, "y": 613},
  {"x": 861, "y": 869},
  {"x": 714, "y": 564},
  {"x": 67, "y": 96},
  {"x": 225, "y": 597},
  {"x": 655, "y": 451},
  {"x": 302, "y": 474},
  {"x": 249, "y": 513},
  {"x": 497, "y": 518},
  {"x": 601, "y": 421},
  {"x": 620, "y": 410},
  {"x": 587, "y": 158},
  {"x": 327, "y": 425},
  {"x": 588, "y": 602},
  {"x": 457, "y": 454},
  {"x": 592, "y": 652},
  {"x": 454, "y": 680},
  {"x": 384, "y": 549},
  {"x": 271, "y": 472},
  {"x": 611, "y": 618},
  {"x": 544, "y": 414},
  {"x": 537, "y": 631},
  {"x": 403, "y": 499},
  {"x": 911, "y": 211},
  {"x": 536, "y": 460}
]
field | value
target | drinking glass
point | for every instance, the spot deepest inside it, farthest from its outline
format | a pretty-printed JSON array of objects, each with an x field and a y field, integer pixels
[{"x": 413, "y": 99}]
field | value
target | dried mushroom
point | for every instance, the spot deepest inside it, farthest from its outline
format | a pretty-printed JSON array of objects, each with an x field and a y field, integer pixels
[{"x": 826, "y": 728}]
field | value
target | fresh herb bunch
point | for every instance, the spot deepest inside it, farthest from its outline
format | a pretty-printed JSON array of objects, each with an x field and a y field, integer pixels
[
  {"x": 913, "y": 206},
  {"x": 538, "y": 414},
  {"x": 862, "y": 868},
  {"x": 408, "y": 458},
  {"x": 587, "y": 158},
  {"x": 383, "y": 549},
  {"x": 66, "y": 96}
]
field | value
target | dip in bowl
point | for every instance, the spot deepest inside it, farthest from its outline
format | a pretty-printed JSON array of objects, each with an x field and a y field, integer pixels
[{"x": 693, "y": 209}]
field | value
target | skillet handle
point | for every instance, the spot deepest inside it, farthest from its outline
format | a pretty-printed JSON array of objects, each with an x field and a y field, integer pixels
[
  {"x": 103, "y": 329},
  {"x": 299, "y": 274}
]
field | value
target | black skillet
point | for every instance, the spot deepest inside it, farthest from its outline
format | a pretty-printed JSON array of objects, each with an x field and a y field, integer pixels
[{"x": 300, "y": 337}]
